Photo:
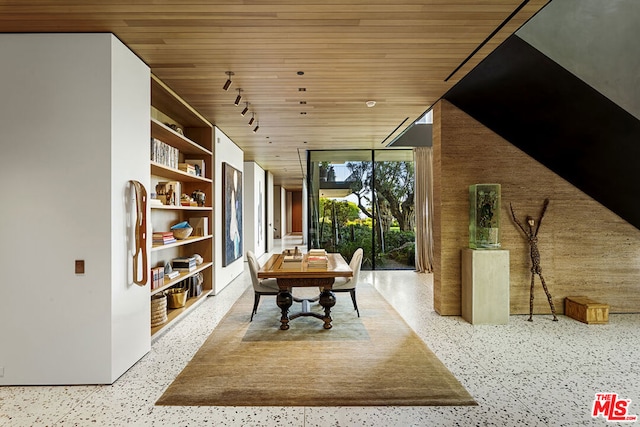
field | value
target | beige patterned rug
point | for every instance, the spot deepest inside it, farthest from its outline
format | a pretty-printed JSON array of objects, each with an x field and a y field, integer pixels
[{"x": 372, "y": 360}]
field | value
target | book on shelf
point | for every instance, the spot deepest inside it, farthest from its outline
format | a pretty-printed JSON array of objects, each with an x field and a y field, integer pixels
[
  {"x": 163, "y": 238},
  {"x": 157, "y": 277},
  {"x": 198, "y": 164},
  {"x": 164, "y": 153},
  {"x": 200, "y": 226},
  {"x": 193, "y": 285},
  {"x": 188, "y": 168},
  {"x": 172, "y": 275},
  {"x": 184, "y": 263}
]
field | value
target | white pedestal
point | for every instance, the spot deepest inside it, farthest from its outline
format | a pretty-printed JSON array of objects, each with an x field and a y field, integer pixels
[{"x": 485, "y": 286}]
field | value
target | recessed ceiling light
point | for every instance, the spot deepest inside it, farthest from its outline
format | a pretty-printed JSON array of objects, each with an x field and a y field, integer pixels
[
  {"x": 300, "y": 73},
  {"x": 303, "y": 102},
  {"x": 302, "y": 89},
  {"x": 303, "y": 113},
  {"x": 371, "y": 104}
]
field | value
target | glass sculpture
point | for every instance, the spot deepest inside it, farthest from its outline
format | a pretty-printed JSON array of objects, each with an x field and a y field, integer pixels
[{"x": 484, "y": 216}]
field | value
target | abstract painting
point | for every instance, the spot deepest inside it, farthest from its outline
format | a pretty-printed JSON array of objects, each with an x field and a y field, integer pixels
[{"x": 232, "y": 212}]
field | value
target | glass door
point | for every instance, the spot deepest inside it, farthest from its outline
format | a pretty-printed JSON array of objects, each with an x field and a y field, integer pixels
[{"x": 363, "y": 198}]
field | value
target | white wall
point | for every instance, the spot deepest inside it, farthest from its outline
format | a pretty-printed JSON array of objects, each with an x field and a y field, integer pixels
[
  {"x": 288, "y": 210},
  {"x": 285, "y": 203},
  {"x": 270, "y": 206},
  {"x": 130, "y": 129},
  {"x": 277, "y": 211},
  {"x": 64, "y": 172},
  {"x": 254, "y": 209},
  {"x": 225, "y": 151}
]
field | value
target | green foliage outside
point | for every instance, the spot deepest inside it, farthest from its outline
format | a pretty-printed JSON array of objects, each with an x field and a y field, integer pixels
[
  {"x": 345, "y": 232},
  {"x": 343, "y": 226}
]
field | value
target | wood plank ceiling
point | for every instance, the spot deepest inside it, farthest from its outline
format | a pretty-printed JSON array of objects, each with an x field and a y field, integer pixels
[{"x": 306, "y": 67}]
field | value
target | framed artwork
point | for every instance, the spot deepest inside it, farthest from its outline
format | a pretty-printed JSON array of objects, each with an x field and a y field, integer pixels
[{"x": 232, "y": 213}]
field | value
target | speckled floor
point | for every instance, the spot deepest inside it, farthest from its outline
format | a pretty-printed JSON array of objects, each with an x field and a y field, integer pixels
[{"x": 542, "y": 373}]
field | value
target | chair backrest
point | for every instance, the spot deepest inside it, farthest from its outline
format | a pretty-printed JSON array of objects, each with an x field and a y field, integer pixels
[
  {"x": 253, "y": 268},
  {"x": 355, "y": 264}
]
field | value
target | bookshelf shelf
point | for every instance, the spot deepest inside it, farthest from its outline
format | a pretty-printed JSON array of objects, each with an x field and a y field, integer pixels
[
  {"x": 175, "y": 174},
  {"x": 186, "y": 241},
  {"x": 176, "y": 314},
  {"x": 182, "y": 143},
  {"x": 182, "y": 208},
  {"x": 183, "y": 275}
]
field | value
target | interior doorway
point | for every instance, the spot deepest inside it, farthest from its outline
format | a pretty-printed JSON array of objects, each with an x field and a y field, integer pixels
[{"x": 296, "y": 212}]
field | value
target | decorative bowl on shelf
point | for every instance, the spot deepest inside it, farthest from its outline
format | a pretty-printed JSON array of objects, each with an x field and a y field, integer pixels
[
  {"x": 182, "y": 233},
  {"x": 176, "y": 297}
]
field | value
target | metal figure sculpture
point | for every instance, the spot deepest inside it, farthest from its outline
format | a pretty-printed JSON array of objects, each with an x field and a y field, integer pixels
[{"x": 532, "y": 236}]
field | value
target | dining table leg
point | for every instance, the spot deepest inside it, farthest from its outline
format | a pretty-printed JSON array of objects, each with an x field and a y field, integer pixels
[
  {"x": 284, "y": 301},
  {"x": 327, "y": 300}
]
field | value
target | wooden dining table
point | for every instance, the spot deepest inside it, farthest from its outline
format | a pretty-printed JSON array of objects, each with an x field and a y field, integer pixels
[{"x": 299, "y": 274}]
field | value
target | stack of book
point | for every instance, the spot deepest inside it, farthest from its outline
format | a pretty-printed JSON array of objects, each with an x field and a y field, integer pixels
[
  {"x": 164, "y": 153},
  {"x": 163, "y": 238},
  {"x": 317, "y": 258},
  {"x": 292, "y": 258},
  {"x": 184, "y": 263},
  {"x": 188, "y": 168},
  {"x": 172, "y": 274},
  {"x": 157, "y": 277}
]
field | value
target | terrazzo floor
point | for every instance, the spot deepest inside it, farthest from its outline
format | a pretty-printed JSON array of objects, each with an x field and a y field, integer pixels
[{"x": 539, "y": 373}]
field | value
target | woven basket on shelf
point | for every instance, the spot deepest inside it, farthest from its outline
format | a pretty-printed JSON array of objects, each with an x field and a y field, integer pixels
[{"x": 158, "y": 309}]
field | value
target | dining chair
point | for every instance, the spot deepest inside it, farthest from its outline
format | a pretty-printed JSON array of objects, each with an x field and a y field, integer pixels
[
  {"x": 348, "y": 284},
  {"x": 260, "y": 286}
]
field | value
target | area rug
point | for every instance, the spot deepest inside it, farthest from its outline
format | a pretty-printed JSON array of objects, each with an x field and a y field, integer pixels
[{"x": 372, "y": 360}]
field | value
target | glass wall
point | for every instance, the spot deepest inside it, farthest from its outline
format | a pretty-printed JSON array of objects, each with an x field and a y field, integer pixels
[{"x": 363, "y": 198}]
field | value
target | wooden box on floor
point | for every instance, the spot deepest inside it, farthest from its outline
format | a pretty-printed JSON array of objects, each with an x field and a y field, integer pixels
[{"x": 586, "y": 310}]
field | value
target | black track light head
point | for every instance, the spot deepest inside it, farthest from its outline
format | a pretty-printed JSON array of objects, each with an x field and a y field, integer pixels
[
  {"x": 255, "y": 129},
  {"x": 238, "y": 98},
  {"x": 227, "y": 84},
  {"x": 246, "y": 109},
  {"x": 251, "y": 120}
]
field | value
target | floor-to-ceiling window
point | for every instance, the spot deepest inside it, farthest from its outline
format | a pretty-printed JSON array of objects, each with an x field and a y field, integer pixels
[{"x": 363, "y": 198}]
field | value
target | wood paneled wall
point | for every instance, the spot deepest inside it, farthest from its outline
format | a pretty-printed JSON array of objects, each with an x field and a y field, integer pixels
[{"x": 585, "y": 248}]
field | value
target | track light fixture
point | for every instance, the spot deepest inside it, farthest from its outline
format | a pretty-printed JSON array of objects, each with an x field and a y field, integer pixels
[
  {"x": 228, "y": 82},
  {"x": 238, "y": 98},
  {"x": 255, "y": 129},
  {"x": 246, "y": 109},
  {"x": 253, "y": 117}
]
